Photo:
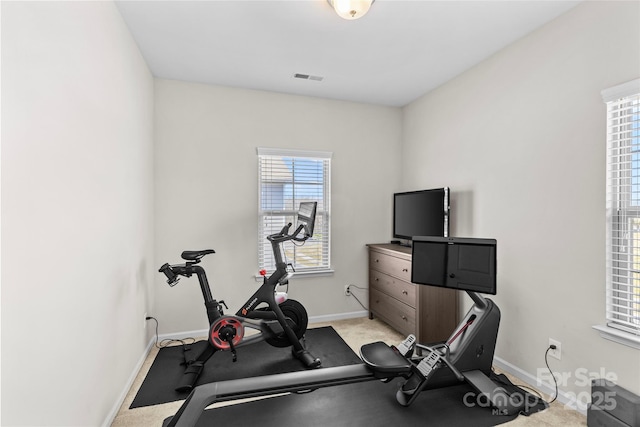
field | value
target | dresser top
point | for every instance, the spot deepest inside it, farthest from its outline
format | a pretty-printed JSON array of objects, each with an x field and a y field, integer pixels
[{"x": 391, "y": 249}]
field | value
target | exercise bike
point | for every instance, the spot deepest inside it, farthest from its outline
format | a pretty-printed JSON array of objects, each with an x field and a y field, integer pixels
[{"x": 281, "y": 323}]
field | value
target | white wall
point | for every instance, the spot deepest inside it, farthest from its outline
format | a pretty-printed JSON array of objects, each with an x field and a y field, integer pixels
[
  {"x": 77, "y": 219},
  {"x": 521, "y": 141},
  {"x": 522, "y": 135},
  {"x": 206, "y": 190}
]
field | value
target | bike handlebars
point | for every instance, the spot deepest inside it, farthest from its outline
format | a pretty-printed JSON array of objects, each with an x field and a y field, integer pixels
[
  {"x": 172, "y": 278},
  {"x": 283, "y": 235},
  {"x": 285, "y": 229},
  {"x": 172, "y": 272}
]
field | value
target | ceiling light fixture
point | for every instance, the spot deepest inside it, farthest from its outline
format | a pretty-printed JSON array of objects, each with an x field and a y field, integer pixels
[{"x": 351, "y": 9}]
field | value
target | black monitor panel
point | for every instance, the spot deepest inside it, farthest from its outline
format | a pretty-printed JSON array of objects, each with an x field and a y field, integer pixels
[
  {"x": 307, "y": 217},
  {"x": 467, "y": 264}
]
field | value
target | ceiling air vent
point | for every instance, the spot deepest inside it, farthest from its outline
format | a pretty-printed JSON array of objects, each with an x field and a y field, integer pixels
[{"x": 308, "y": 77}]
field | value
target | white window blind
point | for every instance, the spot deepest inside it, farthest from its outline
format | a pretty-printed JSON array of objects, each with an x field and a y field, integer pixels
[
  {"x": 286, "y": 178},
  {"x": 623, "y": 207}
]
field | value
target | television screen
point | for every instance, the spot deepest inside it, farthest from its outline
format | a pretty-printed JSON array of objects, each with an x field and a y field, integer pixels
[
  {"x": 467, "y": 264},
  {"x": 421, "y": 213}
]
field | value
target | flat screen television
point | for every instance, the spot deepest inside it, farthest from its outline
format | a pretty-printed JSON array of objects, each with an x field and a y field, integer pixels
[
  {"x": 421, "y": 213},
  {"x": 467, "y": 264}
]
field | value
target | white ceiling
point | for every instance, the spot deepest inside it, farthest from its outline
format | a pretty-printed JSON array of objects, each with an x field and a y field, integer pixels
[{"x": 397, "y": 52}]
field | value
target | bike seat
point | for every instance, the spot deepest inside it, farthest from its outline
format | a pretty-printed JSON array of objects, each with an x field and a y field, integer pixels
[
  {"x": 196, "y": 255},
  {"x": 383, "y": 359}
]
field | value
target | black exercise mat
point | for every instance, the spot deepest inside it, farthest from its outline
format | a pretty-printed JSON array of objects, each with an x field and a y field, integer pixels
[
  {"x": 370, "y": 404},
  {"x": 533, "y": 403},
  {"x": 253, "y": 360}
]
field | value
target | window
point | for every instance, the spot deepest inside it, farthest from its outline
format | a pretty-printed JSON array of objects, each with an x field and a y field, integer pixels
[
  {"x": 286, "y": 178},
  {"x": 623, "y": 208}
]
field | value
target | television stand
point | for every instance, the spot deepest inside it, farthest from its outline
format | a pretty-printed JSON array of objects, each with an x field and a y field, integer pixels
[{"x": 428, "y": 312}]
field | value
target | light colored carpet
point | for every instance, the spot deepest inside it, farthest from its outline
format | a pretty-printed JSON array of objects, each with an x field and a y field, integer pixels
[{"x": 356, "y": 333}]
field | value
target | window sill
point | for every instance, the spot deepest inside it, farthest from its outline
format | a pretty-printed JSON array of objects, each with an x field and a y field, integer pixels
[
  {"x": 301, "y": 274},
  {"x": 616, "y": 335}
]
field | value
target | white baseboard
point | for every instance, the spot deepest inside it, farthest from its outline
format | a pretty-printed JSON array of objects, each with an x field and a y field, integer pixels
[
  {"x": 111, "y": 416},
  {"x": 339, "y": 316},
  {"x": 200, "y": 333},
  {"x": 563, "y": 397},
  {"x": 312, "y": 319}
]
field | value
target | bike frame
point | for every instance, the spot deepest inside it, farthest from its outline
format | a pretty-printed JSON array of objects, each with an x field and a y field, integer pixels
[
  {"x": 271, "y": 323},
  {"x": 264, "y": 294}
]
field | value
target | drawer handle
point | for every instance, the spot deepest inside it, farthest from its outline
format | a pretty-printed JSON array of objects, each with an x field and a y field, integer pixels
[
  {"x": 377, "y": 260},
  {"x": 377, "y": 279},
  {"x": 405, "y": 293},
  {"x": 405, "y": 270},
  {"x": 404, "y": 317}
]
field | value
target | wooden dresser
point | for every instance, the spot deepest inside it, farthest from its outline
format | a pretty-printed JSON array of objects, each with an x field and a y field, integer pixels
[{"x": 428, "y": 312}]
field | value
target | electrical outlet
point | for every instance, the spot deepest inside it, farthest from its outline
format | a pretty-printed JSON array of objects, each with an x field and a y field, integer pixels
[
  {"x": 557, "y": 352},
  {"x": 145, "y": 320},
  {"x": 347, "y": 291}
]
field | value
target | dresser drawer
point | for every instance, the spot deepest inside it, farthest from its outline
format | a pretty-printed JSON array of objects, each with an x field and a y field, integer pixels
[
  {"x": 397, "y": 314},
  {"x": 397, "y": 267},
  {"x": 396, "y": 288}
]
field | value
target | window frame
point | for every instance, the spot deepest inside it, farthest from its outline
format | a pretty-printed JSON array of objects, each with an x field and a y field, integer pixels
[
  {"x": 623, "y": 215},
  {"x": 322, "y": 233}
]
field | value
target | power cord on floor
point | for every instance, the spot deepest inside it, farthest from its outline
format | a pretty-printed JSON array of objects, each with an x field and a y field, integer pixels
[
  {"x": 536, "y": 392},
  {"x": 167, "y": 342},
  {"x": 546, "y": 361},
  {"x": 353, "y": 295}
]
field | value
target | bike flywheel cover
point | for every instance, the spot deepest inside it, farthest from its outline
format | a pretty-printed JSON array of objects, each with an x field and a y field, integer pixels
[{"x": 224, "y": 329}]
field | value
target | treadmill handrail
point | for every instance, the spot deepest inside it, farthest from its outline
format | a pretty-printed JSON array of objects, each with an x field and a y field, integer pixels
[{"x": 222, "y": 391}]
